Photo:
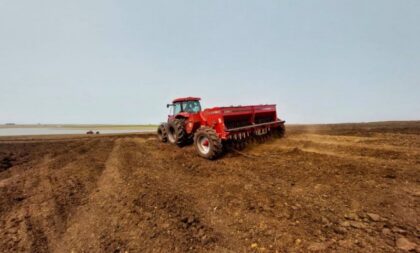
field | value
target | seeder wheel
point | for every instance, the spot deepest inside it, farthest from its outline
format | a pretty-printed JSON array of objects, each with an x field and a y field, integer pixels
[{"x": 280, "y": 131}]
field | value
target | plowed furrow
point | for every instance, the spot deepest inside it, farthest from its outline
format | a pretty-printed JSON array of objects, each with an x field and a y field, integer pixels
[{"x": 47, "y": 194}]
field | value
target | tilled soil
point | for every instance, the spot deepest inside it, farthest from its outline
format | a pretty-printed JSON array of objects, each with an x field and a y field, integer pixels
[{"x": 333, "y": 188}]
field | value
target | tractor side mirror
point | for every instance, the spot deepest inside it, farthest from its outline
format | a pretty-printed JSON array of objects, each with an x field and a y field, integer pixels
[{"x": 169, "y": 105}]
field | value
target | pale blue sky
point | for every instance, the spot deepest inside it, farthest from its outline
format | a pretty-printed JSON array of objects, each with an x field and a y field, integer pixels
[{"x": 107, "y": 61}]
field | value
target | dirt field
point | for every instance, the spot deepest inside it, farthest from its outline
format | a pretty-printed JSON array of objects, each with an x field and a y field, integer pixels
[{"x": 334, "y": 188}]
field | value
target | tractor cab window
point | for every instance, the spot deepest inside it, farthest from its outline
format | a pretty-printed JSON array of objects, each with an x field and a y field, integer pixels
[
  {"x": 177, "y": 108},
  {"x": 191, "y": 106}
]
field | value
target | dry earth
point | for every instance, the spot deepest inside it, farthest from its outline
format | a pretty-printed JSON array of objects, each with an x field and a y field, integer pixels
[{"x": 332, "y": 188}]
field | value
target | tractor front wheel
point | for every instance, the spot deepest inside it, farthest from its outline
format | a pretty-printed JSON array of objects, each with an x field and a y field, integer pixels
[
  {"x": 207, "y": 143},
  {"x": 176, "y": 132},
  {"x": 161, "y": 133}
]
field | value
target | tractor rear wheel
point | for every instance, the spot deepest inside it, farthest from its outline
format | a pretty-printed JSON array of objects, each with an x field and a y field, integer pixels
[
  {"x": 161, "y": 132},
  {"x": 207, "y": 143},
  {"x": 176, "y": 132}
]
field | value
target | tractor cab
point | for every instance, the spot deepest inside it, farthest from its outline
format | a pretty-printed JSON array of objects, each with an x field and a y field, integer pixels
[{"x": 184, "y": 106}]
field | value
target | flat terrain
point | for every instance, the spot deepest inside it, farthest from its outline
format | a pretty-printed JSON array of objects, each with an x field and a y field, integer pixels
[
  {"x": 333, "y": 188},
  {"x": 66, "y": 129},
  {"x": 81, "y": 126}
]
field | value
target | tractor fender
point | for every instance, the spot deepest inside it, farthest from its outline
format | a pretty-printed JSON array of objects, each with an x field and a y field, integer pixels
[{"x": 189, "y": 125}]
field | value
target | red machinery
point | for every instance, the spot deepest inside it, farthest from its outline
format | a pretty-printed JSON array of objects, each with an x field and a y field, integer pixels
[{"x": 213, "y": 129}]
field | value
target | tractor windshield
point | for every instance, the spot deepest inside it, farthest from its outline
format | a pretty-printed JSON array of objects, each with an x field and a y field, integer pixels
[{"x": 191, "y": 106}]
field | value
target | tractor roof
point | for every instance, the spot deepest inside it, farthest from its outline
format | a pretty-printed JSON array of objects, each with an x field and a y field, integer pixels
[{"x": 186, "y": 99}]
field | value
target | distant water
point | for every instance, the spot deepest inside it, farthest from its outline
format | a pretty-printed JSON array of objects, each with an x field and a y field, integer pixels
[{"x": 52, "y": 131}]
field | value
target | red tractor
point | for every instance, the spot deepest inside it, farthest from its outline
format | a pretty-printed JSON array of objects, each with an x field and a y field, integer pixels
[{"x": 211, "y": 130}]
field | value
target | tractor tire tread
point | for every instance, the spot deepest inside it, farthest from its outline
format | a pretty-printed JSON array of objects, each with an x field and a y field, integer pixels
[
  {"x": 181, "y": 135},
  {"x": 217, "y": 145},
  {"x": 162, "y": 133}
]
